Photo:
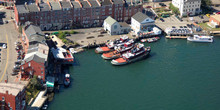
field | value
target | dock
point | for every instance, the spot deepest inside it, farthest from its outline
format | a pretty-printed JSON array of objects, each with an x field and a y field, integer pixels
[{"x": 177, "y": 37}]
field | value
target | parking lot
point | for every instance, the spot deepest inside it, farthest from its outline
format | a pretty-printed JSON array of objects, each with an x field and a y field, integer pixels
[{"x": 8, "y": 35}]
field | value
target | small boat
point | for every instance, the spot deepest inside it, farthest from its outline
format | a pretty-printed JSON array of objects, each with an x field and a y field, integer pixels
[
  {"x": 143, "y": 40},
  {"x": 197, "y": 38},
  {"x": 67, "y": 80},
  {"x": 133, "y": 55},
  {"x": 153, "y": 39},
  {"x": 118, "y": 50},
  {"x": 109, "y": 46}
]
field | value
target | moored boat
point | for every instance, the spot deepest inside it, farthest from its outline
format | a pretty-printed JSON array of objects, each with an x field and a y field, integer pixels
[
  {"x": 67, "y": 80},
  {"x": 133, "y": 55},
  {"x": 109, "y": 46},
  {"x": 153, "y": 39},
  {"x": 118, "y": 50},
  {"x": 197, "y": 38}
]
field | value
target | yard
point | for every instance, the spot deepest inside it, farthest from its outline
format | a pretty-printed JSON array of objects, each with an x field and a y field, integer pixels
[{"x": 205, "y": 26}]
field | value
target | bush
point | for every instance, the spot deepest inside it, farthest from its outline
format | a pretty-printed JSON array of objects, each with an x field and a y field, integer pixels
[
  {"x": 61, "y": 35},
  {"x": 67, "y": 32},
  {"x": 65, "y": 41},
  {"x": 174, "y": 9},
  {"x": 73, "y": 32}
]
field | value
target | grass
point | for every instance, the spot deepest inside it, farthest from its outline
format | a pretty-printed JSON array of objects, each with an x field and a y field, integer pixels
[{"x": 205, "y": 26}]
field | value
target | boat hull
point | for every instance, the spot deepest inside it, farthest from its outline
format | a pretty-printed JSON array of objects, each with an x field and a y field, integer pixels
[
  {"x": 111, "y": 57},
  {"x": 100, "y": 50},
  {"x": 193, "y": 40},
  {"x": 146, "y": 54}
]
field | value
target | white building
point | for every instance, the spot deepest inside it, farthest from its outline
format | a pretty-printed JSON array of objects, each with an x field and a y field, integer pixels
[
  {"x": 141, "y": 22},
  {"x": 115, "y": 28},
  {"x": 187, "y": 7}
]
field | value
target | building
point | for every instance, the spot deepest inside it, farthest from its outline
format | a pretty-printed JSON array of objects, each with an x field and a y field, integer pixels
[
  {"x": 36, "y": 52},
  {"x": 214, "y": 21},
  {"x": 141, "y": 22},
  {"x": 53, "y": 15},
  {"x": 187, "y": 7},
  {"x": 12, "y": 96},
  {"x": 115, "y": 28}
]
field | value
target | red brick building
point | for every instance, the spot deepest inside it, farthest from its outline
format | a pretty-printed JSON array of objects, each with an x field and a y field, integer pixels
[
  {"x": 12, "y": 96},
  {"x": 79, "y": 13}
]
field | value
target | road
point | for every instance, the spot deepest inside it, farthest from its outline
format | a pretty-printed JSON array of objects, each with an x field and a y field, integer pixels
[{"x": 8, "y": 35}]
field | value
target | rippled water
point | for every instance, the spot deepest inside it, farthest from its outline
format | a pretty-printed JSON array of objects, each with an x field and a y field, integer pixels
[{"x": 179, "y": 75}]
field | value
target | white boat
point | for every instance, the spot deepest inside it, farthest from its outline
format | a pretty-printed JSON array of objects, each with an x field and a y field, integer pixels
[
  {"x": 197, "y": 38},
  {"x": 67, "y": 80}
]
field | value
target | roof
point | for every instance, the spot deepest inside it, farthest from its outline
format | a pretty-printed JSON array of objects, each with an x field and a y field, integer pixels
[
  {"x": 109, "y": 20},
  {"x": 22, "y": 9},
  {"x": 55, "y": 6},
  {"x": 118, "y": 1},
  {"x": 124, "y": 24},
  {"x": 33, "y": 8},
  {"x": 65, "y": 4},
  {"x": 12, "y": 88},
  {"x": 216, "y": 17},
  {"x": 75, "y": 4},
  {"x": 85, "y": 4},
  {"x": 106, "y": 2},
  {"x": 139, "y": 17},
  {"x": 40, "y": 99},
  {"x": 94, "y": 3},
  {"x": 35, "y": 56},
  {"x": 38, "y": 47},
  {"x": 33, "y": 30},
  {"x": 44, "y": 7}
]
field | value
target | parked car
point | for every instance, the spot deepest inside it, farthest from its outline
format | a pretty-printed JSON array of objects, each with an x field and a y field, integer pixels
[
  {"x": 208, "y": 15},
  {"x": 184, "y": 26},
  {"x": 162, "y": 19},
  {"x": 148, "y": 6},
  {"x": 201, "y": 16},
  {"x": 173, "y": 27},
  {"x": 162, "y": 4},
  {"x": 4, "y": 46},
  {"x": 6, "y": 22},
  {"x": 181, "y": 26},
  {"x": 218, "y": 13}
]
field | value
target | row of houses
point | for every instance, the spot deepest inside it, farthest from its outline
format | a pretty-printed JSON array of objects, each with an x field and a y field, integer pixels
[
  {"x": 36, "y": 52},
  {"x": 52, "y": 15}
]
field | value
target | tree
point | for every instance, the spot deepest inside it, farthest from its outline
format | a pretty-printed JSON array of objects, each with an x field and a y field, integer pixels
[{"x": 206, "y": 3}]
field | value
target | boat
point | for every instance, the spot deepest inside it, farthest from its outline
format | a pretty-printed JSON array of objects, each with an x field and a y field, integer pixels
[
  {"x": 109, "y": 46},
  {"x": 143, "y": 40},
  {"x": 197, "y": 38},
  {"x": 67, "y": 80},
  {"x": 118, "y": 50},
  {"x": 133, "y": 55},
  {"x": 153, "y": 39}
]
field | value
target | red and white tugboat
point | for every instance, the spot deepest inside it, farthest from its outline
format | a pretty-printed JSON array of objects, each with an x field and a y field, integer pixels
[
  {"x": 133, "y": 55},
  {"x": 119, "y": 49},
  {"x": 109, "y": 46},
  {"x": 67, "y": 80}
]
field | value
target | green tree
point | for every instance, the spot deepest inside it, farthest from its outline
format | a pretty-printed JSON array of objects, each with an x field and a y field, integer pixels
[
  {"x": 206, "y": 3},
  {"x": 174, "y": 9}
]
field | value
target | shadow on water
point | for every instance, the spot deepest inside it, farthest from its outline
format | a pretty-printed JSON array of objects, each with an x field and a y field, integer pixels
[{"x": 76, "y": 62}]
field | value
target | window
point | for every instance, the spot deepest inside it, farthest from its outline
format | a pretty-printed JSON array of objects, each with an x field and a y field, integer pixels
[
  {"x": 3, "y": 98},
  {"x": 42, "y": 72},
  {"x": 29, "y": 64},
  {"x": 115, "y": 27},
  {"x": 9, "y": 104}
]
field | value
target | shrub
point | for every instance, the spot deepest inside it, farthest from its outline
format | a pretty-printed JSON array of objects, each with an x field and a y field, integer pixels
[
  {"x": 174, "y": 9},
  {"x": 73, "y": 32}
]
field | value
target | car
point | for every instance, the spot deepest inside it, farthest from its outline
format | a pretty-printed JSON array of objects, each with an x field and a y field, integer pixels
[
  {"x": 218, "y": 13},
  {"x": 162, "y": 4},
  {"x": 14, "y": 73},
  {"x": 173, "y": 27},
  {"x": 10, "y": 8},
  {"x": 181, "y": 26},
  {"x": 4, "y": 46},
  {"x": 184, "y": 26},
  {"x": 201, "y": 16},
  {"x": 148, "y": 6},
  {"x": 162, "y": 19},
  {"x": 208, "y": 15},
  {"x": 6, "y": 22}
]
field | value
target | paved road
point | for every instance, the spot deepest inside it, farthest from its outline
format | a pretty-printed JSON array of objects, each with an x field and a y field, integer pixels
[{"x": 8, "y": 35}]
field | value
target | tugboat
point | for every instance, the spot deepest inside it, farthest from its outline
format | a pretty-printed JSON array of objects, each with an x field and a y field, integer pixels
[
  {"x": 197, "y": 38},
  {"x": 111, "y": 44},
  {"x": 118, "y": 50},
  {"x": 133, "y": 55},
  {"x": 67, "y": 80}
]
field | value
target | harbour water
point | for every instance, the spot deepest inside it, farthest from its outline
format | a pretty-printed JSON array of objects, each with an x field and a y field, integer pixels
[{"x": 179, "y": 75}]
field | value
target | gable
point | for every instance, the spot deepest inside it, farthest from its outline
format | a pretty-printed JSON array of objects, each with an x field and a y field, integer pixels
[{"x": 147, "y": 20}]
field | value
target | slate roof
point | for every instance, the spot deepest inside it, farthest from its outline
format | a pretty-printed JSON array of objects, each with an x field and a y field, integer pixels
[
  {"x": 33, "y": 8},
  {"x": 44, "y": 7},
  {"x": 35, "y": 56},
  {"x": 33, "y": 30},
  {"x": 118, "y": 1},
  {"x": 106, "y": 2},
  {"x": 55, "y": 6},
  {"x": 65, "y": 4},
  {"x": 109, "y": 20},
  {"x": 139, "y": 16},
  {"x": 94, "y": 3},
  {"x": 22, "y": 9},
  {"x": 75, "y": 4},
  {"x": 85, "y": 4}
]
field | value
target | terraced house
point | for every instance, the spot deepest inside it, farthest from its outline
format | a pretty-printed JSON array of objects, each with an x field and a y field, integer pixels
[{"x": 53, "y": 15}]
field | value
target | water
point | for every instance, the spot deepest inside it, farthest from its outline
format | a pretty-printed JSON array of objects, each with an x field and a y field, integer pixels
[{"x": 179, "y": 75}]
